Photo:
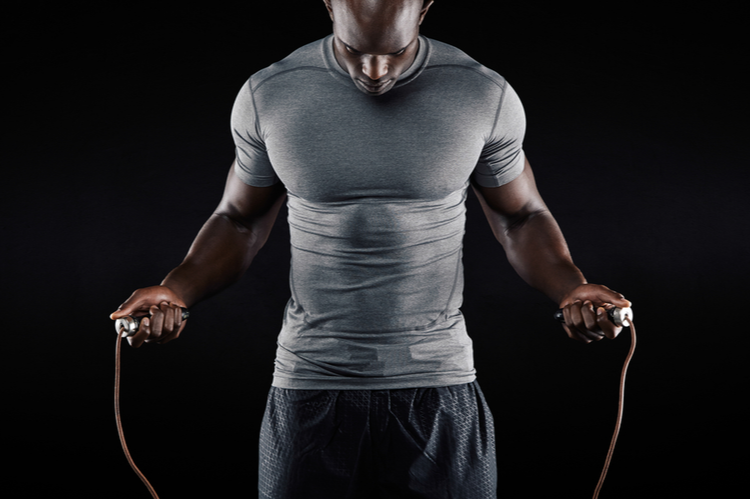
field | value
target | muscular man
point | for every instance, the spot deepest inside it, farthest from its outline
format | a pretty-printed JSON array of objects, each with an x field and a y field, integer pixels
[{"x": 372, "y": 136}]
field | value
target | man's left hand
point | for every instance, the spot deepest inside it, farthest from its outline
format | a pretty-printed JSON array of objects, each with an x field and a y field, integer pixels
[{"x": 585, "y": 311}]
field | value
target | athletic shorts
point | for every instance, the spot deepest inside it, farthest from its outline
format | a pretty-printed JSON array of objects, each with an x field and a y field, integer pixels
[{"x": 404, "y": 443}]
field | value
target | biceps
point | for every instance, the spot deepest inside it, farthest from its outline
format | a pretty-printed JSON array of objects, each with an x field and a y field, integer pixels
[
  {"x": 245, "y": 203},
  {"x": 518, "y": 198}
]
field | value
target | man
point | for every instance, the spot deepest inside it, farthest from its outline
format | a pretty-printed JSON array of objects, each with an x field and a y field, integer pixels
[{"x": 372, "y": 136}]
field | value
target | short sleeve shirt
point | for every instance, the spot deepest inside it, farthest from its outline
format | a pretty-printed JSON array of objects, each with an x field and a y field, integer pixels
[{"x": 376, "y": 189}]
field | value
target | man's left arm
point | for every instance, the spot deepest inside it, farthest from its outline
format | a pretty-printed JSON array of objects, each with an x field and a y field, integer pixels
[{"x": 537, "y": 250}]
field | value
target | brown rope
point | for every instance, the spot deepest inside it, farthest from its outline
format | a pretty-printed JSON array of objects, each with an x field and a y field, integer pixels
[
  {"x": 620, "y": 406},
  {"x": 118, "y": 418},
  {"x": 603, "y": 475}
]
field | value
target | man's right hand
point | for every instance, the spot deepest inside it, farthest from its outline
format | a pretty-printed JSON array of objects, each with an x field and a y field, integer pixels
[
  {"x": 219, "y": 256},
  {"x": 161, "y": 310}
]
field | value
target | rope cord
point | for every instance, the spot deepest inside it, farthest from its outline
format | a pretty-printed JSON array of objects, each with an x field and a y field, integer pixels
[
  {"x": 118, "y": 418},
  {"x": 620, "y": 406},
  {"x": 610, "y": 452}
]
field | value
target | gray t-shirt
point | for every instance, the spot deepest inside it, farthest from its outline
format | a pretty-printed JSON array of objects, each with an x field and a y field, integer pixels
[{"x": 376, "y": 190}]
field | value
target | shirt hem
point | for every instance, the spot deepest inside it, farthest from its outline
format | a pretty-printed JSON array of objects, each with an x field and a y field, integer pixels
[{"x": 369, "y": 383}]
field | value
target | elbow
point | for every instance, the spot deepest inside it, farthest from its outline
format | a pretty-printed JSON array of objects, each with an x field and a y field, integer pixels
[{"x": 517, "y": 222}]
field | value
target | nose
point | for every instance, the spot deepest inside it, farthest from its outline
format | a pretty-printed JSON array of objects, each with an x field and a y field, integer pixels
[{"x": 375, "y": 67}]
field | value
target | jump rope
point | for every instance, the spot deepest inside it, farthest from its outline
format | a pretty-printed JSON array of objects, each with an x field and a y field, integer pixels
[{"x": 128, "y": 326}]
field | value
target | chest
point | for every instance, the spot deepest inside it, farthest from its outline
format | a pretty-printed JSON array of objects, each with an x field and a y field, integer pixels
[{"x": 332, "y": 143}]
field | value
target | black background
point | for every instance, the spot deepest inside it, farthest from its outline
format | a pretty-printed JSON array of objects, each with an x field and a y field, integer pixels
[{"x": 115, "y": 151}]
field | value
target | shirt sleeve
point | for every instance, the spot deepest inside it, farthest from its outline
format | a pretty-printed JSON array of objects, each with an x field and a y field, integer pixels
[
  {"x": 253, "y": 164},
  {"x": 502, "y": 158}
]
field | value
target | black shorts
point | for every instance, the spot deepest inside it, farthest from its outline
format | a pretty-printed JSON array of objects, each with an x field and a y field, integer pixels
[{"x": 404, "y": 443}]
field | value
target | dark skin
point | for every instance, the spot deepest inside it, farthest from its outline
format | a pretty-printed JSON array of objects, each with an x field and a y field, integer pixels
[
  {"x": 536, "y": 248},
  {"x": 374, "y": 41},
  {"x": 219, "y": 256}
]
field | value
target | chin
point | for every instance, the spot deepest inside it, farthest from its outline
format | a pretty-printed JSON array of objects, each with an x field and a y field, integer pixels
[{"x": 378, "y": 90}]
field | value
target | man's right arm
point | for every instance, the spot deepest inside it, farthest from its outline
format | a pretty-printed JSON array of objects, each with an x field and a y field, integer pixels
[{"x": 219, "y": 256}]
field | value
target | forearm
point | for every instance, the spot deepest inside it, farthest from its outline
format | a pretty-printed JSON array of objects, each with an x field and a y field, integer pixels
[
  {"x": 219, "y": 256},
  {"x": 530, "y": 235},
  {"x": 537, "y": 250},
  {"x": 221, "y": 252},
  {"x": 227, "y": 243}
]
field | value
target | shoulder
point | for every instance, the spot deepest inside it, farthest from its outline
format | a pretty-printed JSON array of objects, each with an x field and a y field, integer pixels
[
  {"x": 306, "y": 58},
  {"x": 447, "y": 58}
]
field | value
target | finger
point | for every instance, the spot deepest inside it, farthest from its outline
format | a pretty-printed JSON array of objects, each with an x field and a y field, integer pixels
[
  {"x": 578, "y": 335},
  {"x": 177, "y": 315},
  {"x": 573, "y": 334},
  {"x": 157, "y": 322},
  {"x": 574, "y": 324},
  {"x": 169, "y": 314},
  {"x": 609, "y": 329},
  {"x": 568, "y": 323},
  {"x": 173, "y": 320},
  {"x": 175, "y": 334},
  {"x": 589, "y": 316},
  {"x": 581, "y": 322},
  {"x": 144, "y": 331},
  {"x": 572, "y": 314},
  {"x": 593, "y": 329},
  {"x": 179, "y": 325}
]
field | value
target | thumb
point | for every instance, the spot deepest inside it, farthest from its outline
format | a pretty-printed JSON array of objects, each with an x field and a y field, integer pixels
[
  {"x": 134, "y": 303},
  {"x": 623, "y": 302},
  {"x": 616, "y": 299},
  {"x": 124, "y": 310},
  {"x": 143, "y": 298},
  {"x": 118, "y": 314}
]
